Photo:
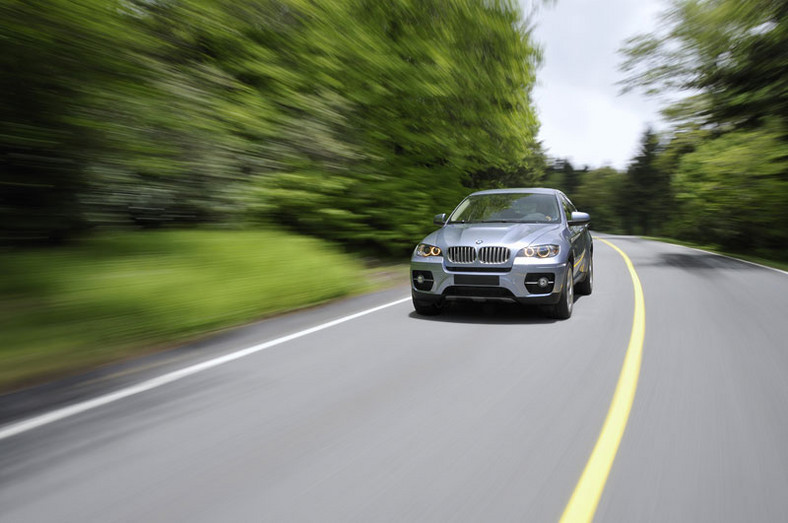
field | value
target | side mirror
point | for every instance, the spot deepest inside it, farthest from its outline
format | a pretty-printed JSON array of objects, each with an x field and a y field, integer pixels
[
  {"x": 440, "y": 219},
  {"x": 579, "y": 218}
]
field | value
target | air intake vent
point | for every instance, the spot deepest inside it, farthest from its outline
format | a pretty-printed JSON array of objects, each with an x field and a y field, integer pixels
[
  {"x": 493, "y": 254},
  {"x": 462, "y": 254}
]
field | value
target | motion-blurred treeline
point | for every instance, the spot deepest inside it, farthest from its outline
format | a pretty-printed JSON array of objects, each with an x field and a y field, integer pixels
[
  {"x": 351, "y": 120},
  {"x": 720, "y": 175},
  {"x": 356, "y": 120}
]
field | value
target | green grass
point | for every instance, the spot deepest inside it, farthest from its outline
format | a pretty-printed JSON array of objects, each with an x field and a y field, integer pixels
[
  {"x": 771, "y": 261},
  {"x": 113, "y": 296}
]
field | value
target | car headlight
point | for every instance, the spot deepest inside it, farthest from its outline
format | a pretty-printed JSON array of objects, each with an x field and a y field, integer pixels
[
  {"x": 426, "y": 250},
  {"x": 539, "y": 251}
]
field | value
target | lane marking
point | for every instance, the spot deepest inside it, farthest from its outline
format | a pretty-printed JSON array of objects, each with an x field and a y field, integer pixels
[
  {"x": 762, "y": 266},
  {"x": 20, "y": 427},
  {"x": 585, "y": 498},
  {"x": 775, "y": 269}
]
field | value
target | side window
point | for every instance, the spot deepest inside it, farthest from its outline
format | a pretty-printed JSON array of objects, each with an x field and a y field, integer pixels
[{"x": 568, "y": 207}]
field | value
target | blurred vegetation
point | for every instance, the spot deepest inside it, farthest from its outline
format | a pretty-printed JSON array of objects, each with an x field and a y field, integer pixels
[
  {"x": 106, "y": 297},
  {"x": 719, "y": 176},
  {"x": 350, "y": 120},
  {"x": 727, "y": 155}
]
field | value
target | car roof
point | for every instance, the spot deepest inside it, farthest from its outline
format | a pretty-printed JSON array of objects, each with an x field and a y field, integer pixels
[{"x": 522, "y": 190}]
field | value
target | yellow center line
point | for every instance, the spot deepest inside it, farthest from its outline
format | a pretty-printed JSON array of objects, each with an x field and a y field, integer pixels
[{"x": 585, "y": 498}]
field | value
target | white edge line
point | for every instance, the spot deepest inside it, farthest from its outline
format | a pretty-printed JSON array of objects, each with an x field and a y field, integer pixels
[
  {"x": 726, "y": 256},
  {"x": 775, "y": 269},
  {"x": 20, "y": 427}
]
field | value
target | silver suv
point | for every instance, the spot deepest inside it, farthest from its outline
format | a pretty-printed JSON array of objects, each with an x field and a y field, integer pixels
[{"x": 524, "y": 245}]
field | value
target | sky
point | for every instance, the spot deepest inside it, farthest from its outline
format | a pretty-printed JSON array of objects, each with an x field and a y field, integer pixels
[{"x": 582, "y": 116}]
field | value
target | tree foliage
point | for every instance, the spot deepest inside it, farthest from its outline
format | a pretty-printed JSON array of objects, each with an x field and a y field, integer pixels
[
  {"x": 733, "y": 191},
  {"x": 561, "y": 174},
  {"x": 602, "y": 194},
  {"x": 347, "y": 119},
  {"x": 730, "y": 55},
  {"x": 719, "y": 175},
  {"x": 727, "y": 155},
  {"x": 645, "y": 195}
]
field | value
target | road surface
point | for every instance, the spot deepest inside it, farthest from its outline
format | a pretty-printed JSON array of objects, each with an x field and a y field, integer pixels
[{"x": 486, "y": 413}]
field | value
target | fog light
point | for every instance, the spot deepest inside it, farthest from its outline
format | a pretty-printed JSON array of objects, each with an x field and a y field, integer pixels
[
  {"x": 540, "y": 282},
  {"x": 423, "y": 280}
]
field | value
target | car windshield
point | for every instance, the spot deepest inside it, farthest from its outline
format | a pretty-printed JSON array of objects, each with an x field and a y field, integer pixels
[{"x": 506, "y": 208}]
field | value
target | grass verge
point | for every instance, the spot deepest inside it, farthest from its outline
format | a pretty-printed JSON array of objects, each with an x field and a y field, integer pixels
[
  {"x": 113, "y": 296},
  {"x": 769, "y": 262}
]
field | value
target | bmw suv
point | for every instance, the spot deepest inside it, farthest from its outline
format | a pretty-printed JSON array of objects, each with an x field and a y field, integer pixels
[{"x": 525, "y": 245}]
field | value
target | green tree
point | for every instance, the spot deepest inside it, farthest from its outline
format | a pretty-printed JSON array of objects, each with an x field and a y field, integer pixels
[
  {"x": 353, "y": 120},
  {"x": 728, "y": 149},
  {"x": 730, "y": 54},
  {"x": 425, "y": 96},
  {"x": 561, "y": 174},
  {"x": 56, "y": 55},
  {"x": 646, "y": 191},
  {"x": 599, "y": 194},
  {"x": 732, "y": 190}
]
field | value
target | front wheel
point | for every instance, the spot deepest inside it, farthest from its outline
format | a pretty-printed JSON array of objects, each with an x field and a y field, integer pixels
[
  {"x": 585, "y": 287},
  {"x": 563, "y": 309}
]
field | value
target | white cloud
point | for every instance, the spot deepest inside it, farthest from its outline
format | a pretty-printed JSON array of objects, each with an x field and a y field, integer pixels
[{"x": 582, "y": 116}]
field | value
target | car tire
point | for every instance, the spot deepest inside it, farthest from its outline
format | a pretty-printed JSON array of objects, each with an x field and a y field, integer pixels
[
  {"x": 427, "y": 307},
  {"x": 563, "y": 309},
  {"x": 585, "y": 287}
]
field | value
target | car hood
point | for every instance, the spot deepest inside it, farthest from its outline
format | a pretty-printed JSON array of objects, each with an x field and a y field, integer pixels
[{"x": 493, "y": 234}]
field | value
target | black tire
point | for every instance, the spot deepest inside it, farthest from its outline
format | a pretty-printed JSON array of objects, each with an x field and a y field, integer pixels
[
  {"x": 428, "y": 308},
  {"x": 563, "y": 309},
  {"x": 585, "y": 287}
]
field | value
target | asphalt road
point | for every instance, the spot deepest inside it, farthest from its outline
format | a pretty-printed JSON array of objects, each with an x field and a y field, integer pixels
[{"x": 487, "y": 413}]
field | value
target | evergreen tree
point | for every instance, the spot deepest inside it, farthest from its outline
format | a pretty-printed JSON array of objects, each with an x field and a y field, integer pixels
[{"x": 647, "y": 189}]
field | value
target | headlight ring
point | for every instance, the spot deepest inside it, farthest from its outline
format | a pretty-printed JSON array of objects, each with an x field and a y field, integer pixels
[
  {"x": 540, "y": 251},
  {"x": 426, "y": 250}
]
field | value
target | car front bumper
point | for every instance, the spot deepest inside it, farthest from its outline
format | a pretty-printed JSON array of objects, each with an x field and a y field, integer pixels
[{"x": 519, "y": 282}]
